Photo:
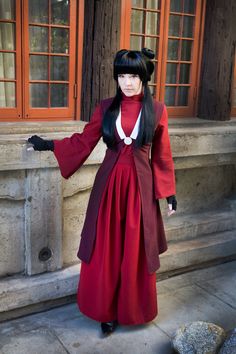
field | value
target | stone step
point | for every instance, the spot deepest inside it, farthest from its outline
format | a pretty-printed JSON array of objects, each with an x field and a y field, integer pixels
[
  {"x": 187, "y": 227},
  {"x": 192, "y": 253},
  {"x": 21, "y": 295}
]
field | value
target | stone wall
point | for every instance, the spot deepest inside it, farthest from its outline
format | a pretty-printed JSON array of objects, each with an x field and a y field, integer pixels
[{"x": 41, "y": 214}]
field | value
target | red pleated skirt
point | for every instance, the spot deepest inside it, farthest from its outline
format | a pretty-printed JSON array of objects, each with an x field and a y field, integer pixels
[{"x": 116, "y": 285}]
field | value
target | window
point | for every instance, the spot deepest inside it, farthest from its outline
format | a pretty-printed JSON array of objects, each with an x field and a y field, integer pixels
[
  {"x": 173, "y": 30},
  {"x": 37, "y": 59}
]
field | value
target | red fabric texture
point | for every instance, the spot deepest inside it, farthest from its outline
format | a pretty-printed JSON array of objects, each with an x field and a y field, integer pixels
[
  {"x": 116, "y": 284},
  {"x": 161, "y": 160},
  {"x": 155, "y": 177}
]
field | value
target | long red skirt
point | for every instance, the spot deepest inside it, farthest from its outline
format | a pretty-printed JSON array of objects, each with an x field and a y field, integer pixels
[{"x": 116, "y": 285}]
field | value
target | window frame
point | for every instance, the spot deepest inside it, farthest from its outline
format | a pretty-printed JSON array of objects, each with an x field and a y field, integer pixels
[
  {"x": 22, "y": 111},
  {"x": 174, "y": 111},
  {"x": 12, "y": 113}
]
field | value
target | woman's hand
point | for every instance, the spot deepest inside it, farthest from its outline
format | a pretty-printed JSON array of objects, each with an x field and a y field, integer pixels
[
  {"x": 172, "y": 204},
  {"x": 40, "y": 144}
]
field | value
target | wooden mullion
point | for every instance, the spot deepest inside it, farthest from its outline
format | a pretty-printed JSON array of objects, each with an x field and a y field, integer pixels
[
  {"x": 144, "y": 35},
  {"x": 165, "y": 7},
  {"x": 49, "y": 81},
  {"x": 8, "y": 51},
  {"x": 145, "y": 9},
  {"x": 159, "y": 53},
  {"x": 8, "y": 80},
  {"x": 49, "y": 51},
  {"x": 144, "y": 24},
  {"x": 50, "y": 54},
  {"x": 79, "y": 55},
  {"x": 182, "y": 14},
  {"x": 178, "y": 61},
  {"x": 125, "y": 24},
  {"x": 200, "y": 28},
  {"x": 36, "y": 24},
  {"x": 25, "y": 58},
  {"x": 180, "y": 85},
  {"x": 7, "y": 21},
  {"x": 183, "y": 38},
  {"x": 72, "y": 63}
]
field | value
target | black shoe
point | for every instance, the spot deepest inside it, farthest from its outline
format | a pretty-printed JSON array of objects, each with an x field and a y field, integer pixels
[{"x": 108, "y": 327}]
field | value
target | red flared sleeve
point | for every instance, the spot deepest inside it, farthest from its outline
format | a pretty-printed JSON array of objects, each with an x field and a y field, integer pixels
[
  {"x": 161, "y": 160},
  {"x": 73, "y": 151}
]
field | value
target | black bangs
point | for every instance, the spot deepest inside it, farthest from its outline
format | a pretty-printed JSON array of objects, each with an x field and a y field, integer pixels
[{"x": 130, "y": 62}]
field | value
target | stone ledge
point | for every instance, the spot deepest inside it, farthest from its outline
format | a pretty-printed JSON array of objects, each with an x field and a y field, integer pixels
[
  {"x": 194, "y": 144},
  {"x": 20, "y": 291},
  {"x": 190, "y": 226},
  {"x": 206, "y": 248},
  {"x": 40, "y": 127}
]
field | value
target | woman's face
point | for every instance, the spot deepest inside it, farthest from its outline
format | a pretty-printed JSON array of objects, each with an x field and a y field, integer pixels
[{"x": 130, "y": 84}]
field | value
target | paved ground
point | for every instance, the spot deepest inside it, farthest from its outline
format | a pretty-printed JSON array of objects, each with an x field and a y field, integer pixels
[{"x": 207, "y": 295}]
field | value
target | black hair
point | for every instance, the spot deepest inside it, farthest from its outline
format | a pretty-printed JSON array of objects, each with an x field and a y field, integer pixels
[{"x": 138, "y": 63}]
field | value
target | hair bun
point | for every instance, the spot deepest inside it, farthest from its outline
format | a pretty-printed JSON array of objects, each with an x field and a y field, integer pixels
[{"x": 148, "y": 53}]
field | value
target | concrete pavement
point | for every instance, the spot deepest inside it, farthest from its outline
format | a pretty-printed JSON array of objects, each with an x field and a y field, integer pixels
[{"x": 208, "y": 295}]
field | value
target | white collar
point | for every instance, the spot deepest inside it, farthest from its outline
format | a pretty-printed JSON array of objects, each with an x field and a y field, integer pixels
[{"x": 121, "y": 133}]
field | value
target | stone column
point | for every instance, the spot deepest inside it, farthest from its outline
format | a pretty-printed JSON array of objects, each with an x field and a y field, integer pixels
[{"x": 43, "y": 221}]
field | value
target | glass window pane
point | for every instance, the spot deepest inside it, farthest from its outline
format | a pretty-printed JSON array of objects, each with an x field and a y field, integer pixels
[
  {"x": 173, "y": 46},
  {"x": 188, "y": 27},
  {"x": 171, "y": 73},
  {"x": 38, "y": 11},
  {"x": 38, "y": 38},
  {"x": 7, "y": 94},
  {"x": 151, "y": 43},
  {"x": 137, "y": 21},
  {"x": 153, "y": 77},
  {"x": 138, "y": 3},
  {"x": 38, "y": 67},
  {"x": 183, "y": 96},
  {"x": 184, "y": 73},
  {"x": 7, "y": 36},
  {"x": 154, "y": 4},
  {"x": 39, "y": 95},
  {"x": 176, "y": 5},
  {"x": 7, "y": 66},
  {"x": 7, "y": 9},
  {"x": 152, "y": 90},
  {"x": 170, "y": 93},
  {"x": 136, "y": 43},
  {"x": 59, "y": 68},
  {"x": 60, "y": 40},
  {"x": 59, "y": 95},
  {"x": 189, "y": 6},
  {"x": 152, "y": 23},
  {"x": 174, "y": 25},
  {"x": 186, "y": 50},
  {"x": 60, "y": 12}
]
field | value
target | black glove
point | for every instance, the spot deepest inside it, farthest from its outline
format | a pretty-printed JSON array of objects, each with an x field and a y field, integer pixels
[
  {"x": 172, "y": 200},
  {"x": 40, "y": 144}
]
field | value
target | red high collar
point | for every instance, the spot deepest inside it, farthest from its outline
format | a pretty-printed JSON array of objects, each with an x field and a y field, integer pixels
[{"x": 138, "y": 97}]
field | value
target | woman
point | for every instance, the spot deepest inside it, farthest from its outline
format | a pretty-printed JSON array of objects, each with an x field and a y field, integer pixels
[{"x": 123, "y": 232}]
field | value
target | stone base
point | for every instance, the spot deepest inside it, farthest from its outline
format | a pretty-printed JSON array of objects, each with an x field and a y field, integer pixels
[{"x": 22, "y": 295}]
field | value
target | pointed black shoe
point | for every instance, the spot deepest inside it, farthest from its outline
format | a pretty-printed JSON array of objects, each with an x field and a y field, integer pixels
[{"x": 108, "y": 327}]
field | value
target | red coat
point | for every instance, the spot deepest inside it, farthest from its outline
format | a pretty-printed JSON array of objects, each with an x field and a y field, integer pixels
[{"x": 156, "y": 179}]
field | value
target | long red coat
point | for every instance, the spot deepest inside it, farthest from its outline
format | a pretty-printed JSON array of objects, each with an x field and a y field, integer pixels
[{"x": 155, "y": 177}]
